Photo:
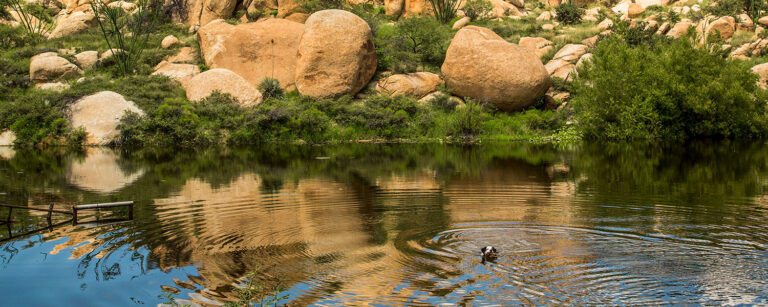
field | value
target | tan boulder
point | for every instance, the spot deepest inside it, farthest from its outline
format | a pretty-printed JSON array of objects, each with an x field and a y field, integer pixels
[
  {"x": 169, "y": 41},
  {"x": 100, "y": 115},
  {"x": 680, "y": 28},
  {"x": 761, "y": 70},
  {"x": 323, "y": 69},
  {"x": 725, "y": 26},
  {"x": 763, "y": 20},
  {"x": 49, "y": 66},
  {"x": 223, "y": 81},
  {"x": 546, "y": 16},
  {"x": 73, "y": 23},
  {"x": 7, "y": 138},
  {"x": 502, "y": 8},
  {"x": 745, "y": 23},
  {"x": 414, "y": 84},
  {"x": 201, "y": 12},
  {"x": 124, "y": 5},
  {"x": 481, "y": 65},
  {"x": 663, "y": 28},
  {"x": 634, "y": 10},
  {"x": 179, "y": 72},
  {"x": 548, "y": 27},
  {"x": 394, "y": 7},
  {"x": 461, "y": 23},
  {"x": 87, "y": 59},
  {"x": 415, "y": 7},
  {"x": 264, "y": 6},
  {"x": 539, "y": 45},
  {"x": 263, "y": 49},
  {"x": 605, "y": 24},
  {"x": 185, "y": 55},
  {"x": 298, "y": 17},
  {"x": 622, "y": 8},
  {"x": 563, "y": 63},
  {"x": 286, "y": 8},
  {"x": 108, "y": 54}
]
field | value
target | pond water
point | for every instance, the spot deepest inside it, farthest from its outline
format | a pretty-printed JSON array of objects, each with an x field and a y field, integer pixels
[{"x": 386, "y": 224}]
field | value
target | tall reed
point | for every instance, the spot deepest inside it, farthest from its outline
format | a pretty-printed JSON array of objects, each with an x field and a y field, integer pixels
[
  {"x": 31, "y": 24},
  {"x": 127, "y": 34},
  {"x": 445, "y": 10}
]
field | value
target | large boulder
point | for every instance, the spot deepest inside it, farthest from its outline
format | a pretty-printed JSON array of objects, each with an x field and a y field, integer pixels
[
  {"x": 725, "y": 26},
  {"x": 224, "y": 81},
  {"x": 73, "y": 23},
  {"x": 263, "y": 49},
  {"x": 325, "y": 69},
  {"x": 680, "y": 28},
  {"x": 201, "y": 12},
  {"x": 482, "y": 65},
  {"x": 49, "y": 66},
  {"x": 100, "y": 114},
  {"x": 634, "y": 10},
  {"x": 415, "y": 84},
  {"x": 179, "y": 72},
  {"x": 394, "y": 7},
  {"x": 761, "y": 70}
]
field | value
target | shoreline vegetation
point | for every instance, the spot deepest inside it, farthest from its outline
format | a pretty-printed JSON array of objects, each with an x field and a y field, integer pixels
[{"x": 609, "y": 76}]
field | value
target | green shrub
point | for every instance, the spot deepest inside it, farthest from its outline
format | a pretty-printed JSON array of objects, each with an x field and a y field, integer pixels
[
  {"x": 311, "y": 6},
  {"x": 413, "y": 43},
  {"x": 669, "y": 89},
  {"x": 478, "y": 9},
  {"x": 14, "y": 37},
  {"x": 270, "y": 88},
  {"x": 568, "y": 13}
]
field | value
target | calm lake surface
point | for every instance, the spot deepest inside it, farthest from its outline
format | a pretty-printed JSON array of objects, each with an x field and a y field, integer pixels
[{"x": 616, "y": 224}]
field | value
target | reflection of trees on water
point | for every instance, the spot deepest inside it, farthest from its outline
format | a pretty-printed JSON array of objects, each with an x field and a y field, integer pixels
[{"x": 395, "y": 189}]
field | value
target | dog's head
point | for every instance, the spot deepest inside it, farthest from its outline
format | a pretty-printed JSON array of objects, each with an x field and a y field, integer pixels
[{"x": 489, "y": 252}]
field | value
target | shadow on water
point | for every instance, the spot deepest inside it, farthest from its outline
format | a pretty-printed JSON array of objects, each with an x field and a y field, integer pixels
[{"x": 396, "y": 224}]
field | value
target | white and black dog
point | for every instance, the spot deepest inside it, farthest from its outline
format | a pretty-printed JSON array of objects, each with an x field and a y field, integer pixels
[{"x": 489, "y": 253}]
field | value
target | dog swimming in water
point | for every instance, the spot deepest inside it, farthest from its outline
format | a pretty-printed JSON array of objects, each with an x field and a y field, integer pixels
[{"x": 489, "y": 253}]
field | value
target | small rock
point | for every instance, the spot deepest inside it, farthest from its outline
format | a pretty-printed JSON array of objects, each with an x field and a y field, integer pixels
[
  {"x": 49, "y": 66},
  {"x": 548, "y": 27},
  {"x": 605, "y": 24},
  {"x": 186, "y": 55},
  {"x": 7, "y": 138},
  {"x": 461, "y": 23},
  {"x": 762, "y": 71},
  {"x": 108, "y": 54},
  {"x": 546, "y": 16},
  {"x": 763, "y": 20},
  {"x": 224, "y": 81},
  {"x": 87, "y": 59},
  {"x": 54, "y": 86},
  {"x": 179, "y": 72},
  {"x": 539, "y": 45},
  {"x": 169, "y": 41},
  {"x": 634, "y": 10},
  {"x": 416, "y": 84}
]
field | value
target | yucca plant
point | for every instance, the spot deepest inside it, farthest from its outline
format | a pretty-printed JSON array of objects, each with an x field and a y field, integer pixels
[
  {"x": 35, "y": 25},
  {"x": 127, "y": 34},
  {"x": 445, "y": 10}
]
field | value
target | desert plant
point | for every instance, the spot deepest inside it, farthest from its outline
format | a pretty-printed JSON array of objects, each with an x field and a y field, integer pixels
[
  {"x": 125, "y": 34},
  {"x": 478, "y": 9},
  {"x": 445, "y": 10},
  {"x": 568, "y": 13},
  {"x": 270, "y": 88},
  {"x": 37, "y": 26},
  {"x": 412, "y": 43}
]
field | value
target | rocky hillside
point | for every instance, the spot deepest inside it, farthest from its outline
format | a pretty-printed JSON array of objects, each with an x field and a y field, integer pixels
[{"x": 493, "y": 67}]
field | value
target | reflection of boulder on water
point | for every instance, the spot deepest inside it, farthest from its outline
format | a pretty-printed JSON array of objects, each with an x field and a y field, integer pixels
[
  {"x": 7, "y": 152},
  {"x": 101, "y": 172}
]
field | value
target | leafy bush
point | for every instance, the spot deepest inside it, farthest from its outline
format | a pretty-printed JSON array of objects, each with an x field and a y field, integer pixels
[
  {"x": 270, "y": 88},
  {"x": 478, "y": 9},
  {"x": 568, "y": 13},
  {"x": 14, "y": 37},
  {"x": 311, "y": 6},
  {"x": 637, "y": 35},
  {"x": 754, "y": 8},
  {"x": 34, "y": 18},
  {"x": 666, "y": 90},
  {"x": 445, "y": 10},
  {"x": 413, "y": 43}
]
